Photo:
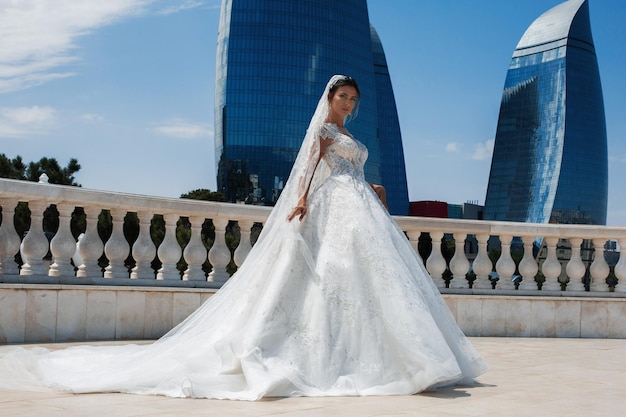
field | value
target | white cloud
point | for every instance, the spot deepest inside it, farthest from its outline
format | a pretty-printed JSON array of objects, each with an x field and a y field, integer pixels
[
  {"x": 619, "y": 159},
  {"x": 452, "y": 147},
  {"x": 483, "y": 151},
  {"x": 183, "y": 129},
  {"x": 90, "y": 117},
  {"x": 17, "y": 122},
  {"x": 185, "y": 5},
  {"x": 38, "y": 37}
]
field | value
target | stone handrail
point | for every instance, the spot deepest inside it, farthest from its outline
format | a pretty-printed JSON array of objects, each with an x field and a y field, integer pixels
[{"x": 545, "y": 271}]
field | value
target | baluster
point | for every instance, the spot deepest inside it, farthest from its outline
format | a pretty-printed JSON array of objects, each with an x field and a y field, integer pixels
[
  {"x": 244, "y": 248},
  {"x": 63, "y": 244},
  {"x": 144, "y": 249},
  {"x": 575, "y": 268},
  {"x": 599, "y": 268},
  {"x": 482, "y": 265},
  {"x": 117, "y": 248},
  {"x": 78, "y": 261},
  {"x": 436, "y": 263},
  {"x": 459, "y": 265},
  {"x": 195, "y": 253},
  {"x": 528, "y": 267},
  {"x": 414, "y": 236},
  {"x": 620, "y": 267},
  {"x": 35, "y": 245},
  {"x": 9, "y": 239},
  {"x": 90, "y": 247},
  {"x": 505, "y": 265},
  {"x": 219, "y": 255},
  {"x": 169, "y": 251},
  {"x": 551, "y": 267}
]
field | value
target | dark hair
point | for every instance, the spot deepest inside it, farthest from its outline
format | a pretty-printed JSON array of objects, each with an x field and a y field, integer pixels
[{"x": 346, "y": 81}]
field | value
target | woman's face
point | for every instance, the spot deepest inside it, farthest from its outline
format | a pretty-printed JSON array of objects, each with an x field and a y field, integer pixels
[{"x": 343, "y": 101}]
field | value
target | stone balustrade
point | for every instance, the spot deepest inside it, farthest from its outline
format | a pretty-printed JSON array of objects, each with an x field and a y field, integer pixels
[{"x": 531, "y": 256}]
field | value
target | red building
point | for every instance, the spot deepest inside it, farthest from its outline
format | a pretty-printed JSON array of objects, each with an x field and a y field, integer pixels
[{"x": 429, "y": 209}]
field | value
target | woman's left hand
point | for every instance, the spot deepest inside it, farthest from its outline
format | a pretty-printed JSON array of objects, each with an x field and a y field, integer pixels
[{"x": 381, "y": 193}]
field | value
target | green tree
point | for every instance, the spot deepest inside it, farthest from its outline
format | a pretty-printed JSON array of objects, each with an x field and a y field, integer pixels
[
  {"x": 16, "y": 169},
  {"x": 12, "y": 168},
  {"x": 56, "y": 174},
  {"x": 204, "y": 194}
]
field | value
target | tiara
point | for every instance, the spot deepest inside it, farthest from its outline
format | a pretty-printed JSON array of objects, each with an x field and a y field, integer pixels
[{"x": 343, "y": 78}]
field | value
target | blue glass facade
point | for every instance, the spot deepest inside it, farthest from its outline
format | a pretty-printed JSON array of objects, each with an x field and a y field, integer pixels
[
  {"x": 393, "y": 172},
  {"x": 273, "y": 61},
  {"x": 550, "y": 159}
]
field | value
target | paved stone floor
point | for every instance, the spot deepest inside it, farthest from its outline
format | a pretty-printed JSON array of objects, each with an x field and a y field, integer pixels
[{"x": 527, "y": 377}]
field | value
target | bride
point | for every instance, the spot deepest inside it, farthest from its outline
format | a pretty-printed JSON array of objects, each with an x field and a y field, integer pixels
[{"x": 332, "y": 300}]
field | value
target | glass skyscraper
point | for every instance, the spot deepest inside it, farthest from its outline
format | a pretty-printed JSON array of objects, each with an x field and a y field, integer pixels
[
  {"x": 273, "y": 61},
  {"x": 550, "y": 159},
  {"x": 393, "y": 172}
]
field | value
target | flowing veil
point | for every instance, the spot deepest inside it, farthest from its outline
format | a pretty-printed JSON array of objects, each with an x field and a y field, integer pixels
[{"x": 306, "y": 170}]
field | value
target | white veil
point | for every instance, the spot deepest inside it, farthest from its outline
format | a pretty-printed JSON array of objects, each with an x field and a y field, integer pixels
[
  {"x": 277, "y": 229},
  {"x": 304, "y": 171},
  {"x": 278, "y": 233}
]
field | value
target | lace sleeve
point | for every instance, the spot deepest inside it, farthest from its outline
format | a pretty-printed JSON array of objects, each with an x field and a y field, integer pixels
[{"x": 315, "y": 167}]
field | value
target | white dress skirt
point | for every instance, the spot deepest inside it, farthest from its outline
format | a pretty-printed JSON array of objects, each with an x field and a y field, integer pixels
[{"x": 339, "y": 304}]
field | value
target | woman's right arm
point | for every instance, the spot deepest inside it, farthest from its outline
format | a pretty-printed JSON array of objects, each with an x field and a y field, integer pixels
[{"x": 301, "y": 208}]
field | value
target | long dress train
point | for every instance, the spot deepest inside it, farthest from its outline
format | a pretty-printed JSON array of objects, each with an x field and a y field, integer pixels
[{"x": 338, "y": 304}]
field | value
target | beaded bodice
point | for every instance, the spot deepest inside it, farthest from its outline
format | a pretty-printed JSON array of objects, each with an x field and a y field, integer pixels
[{"x": 346, "y": 155}]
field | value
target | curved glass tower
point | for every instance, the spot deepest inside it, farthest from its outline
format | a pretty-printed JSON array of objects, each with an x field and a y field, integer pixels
[
  {"x": 550, "y": 159},
  {"x": 273, "y": 61},
  {"x": 393, "y": 173}
]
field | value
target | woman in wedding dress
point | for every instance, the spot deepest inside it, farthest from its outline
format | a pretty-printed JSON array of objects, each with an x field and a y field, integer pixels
[{"x": 331, "y": 301}]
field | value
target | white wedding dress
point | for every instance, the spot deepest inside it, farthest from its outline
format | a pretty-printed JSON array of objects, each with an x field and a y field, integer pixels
[{"x": 337, "y": 304}]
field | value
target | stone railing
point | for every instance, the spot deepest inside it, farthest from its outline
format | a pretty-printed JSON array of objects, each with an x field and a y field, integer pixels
[{"x": 50, "y": 256}]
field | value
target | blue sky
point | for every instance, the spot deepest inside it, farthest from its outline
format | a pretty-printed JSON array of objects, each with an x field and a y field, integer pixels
[{"x": 126, "y": 87}]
